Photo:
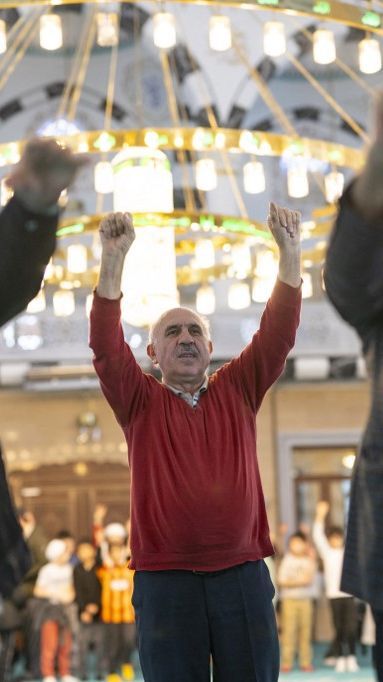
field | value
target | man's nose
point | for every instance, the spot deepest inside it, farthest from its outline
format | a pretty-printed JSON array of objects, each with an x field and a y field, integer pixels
[{"x": 185, "y": 336}]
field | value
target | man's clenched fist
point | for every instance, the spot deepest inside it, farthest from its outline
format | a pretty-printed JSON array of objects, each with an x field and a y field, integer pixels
[
  {"x": 284, "y": 224},
  {"x": 117, "y": 233}
]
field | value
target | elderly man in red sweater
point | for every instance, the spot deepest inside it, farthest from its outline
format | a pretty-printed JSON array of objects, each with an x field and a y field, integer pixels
[{"x": 199, "y": 528}]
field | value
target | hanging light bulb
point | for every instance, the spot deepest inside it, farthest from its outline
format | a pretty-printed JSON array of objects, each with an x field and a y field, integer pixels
[
  {"x": 324, "y": 48},
  {"x": 334, "y": 183},
  {"x": 152, "y": 139},
  {"x": 204, "y": 254},
  {"x": 266, "y": 271},
  {"x": 164, "y": 30},
  {"x": 307, "y": 285},
  {"x": 51, "y": 33},
  {"x": 254, "y": 177},
  {"x": 103, "y": 177},
  {"x": 267, "y": 265},
  {"x": 297, "y": 180},
  {"x": 370, "y": 57},
  {"x": 220, "y": 33},
  {"x": 220, "y": 140},
  {"x": 241, "y": 260},
  {"x": 37, "y": 304},
  {"x": 239, "y": 296},
  {"x": 77, "y": 258},
  {"x": 247, "y": 142},
  {"x": 63, "y": 303},
  {"x": 107, "y": 29},
  {"x": 206, "y": 175},
  {"x": 3, "y": 36},
  {"x": 205, "y": 300},
  {"x": 274, "y": 39}
]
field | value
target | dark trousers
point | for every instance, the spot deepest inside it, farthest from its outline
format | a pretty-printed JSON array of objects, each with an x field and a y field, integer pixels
[
  {"x": 90, "y": 635},
  {"x": 345, "y": 620},
  {"x": 120, "y": 642},
  {"x": 378, "y": 648},
  {"x": 184, "y": 618},
  {"x": 7, "y": 650}
]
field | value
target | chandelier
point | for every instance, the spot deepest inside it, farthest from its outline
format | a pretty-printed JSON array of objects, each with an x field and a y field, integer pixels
[{"x": 194, "y": 246}]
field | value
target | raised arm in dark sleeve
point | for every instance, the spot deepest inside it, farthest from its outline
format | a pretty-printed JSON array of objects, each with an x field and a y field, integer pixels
[
  {"x": 354, "y": 267},
  {"x": 27, "y": 242}
]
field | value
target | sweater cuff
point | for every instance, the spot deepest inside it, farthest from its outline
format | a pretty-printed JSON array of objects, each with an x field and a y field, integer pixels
[
  {"x": 284, "y": 294},
  {"x": 106, "y": 307}
]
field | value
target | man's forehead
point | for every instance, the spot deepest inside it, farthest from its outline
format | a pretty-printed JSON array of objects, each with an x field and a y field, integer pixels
[{"x": 180, "y": 316}]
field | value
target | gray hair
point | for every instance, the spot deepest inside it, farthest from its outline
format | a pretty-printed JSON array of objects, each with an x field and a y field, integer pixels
[{"x": 205, "y": 323}]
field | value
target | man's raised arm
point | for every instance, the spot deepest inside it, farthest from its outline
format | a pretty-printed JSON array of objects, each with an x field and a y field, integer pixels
[{"x": 117, "y": 236}]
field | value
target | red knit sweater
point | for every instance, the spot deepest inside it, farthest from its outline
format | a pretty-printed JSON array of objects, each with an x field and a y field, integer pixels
[{"x": 196, "y": 499}]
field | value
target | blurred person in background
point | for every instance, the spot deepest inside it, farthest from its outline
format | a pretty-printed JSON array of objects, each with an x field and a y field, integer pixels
[
  {"x": 295, "y": 577},
  {"x": 88, "y": 600},
  {"x": 54, "y": 586},
  {"x": 117, "y": 614},
  {"x": 354, "y": 282}
]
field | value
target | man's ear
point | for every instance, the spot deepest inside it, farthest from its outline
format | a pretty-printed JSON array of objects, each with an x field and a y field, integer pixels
[
  {"x": 152, "y": 353},
  {"x": 210, "y": 347}
]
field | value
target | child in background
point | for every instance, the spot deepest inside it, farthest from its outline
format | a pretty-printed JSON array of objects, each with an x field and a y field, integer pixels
[
  {"x": 343, "y": 608},
  {"x": 295, "y": 578},
  {"x": 88, "y": 599},
  {"x": 55, "y": 585},
  {"x": 117, "y": 613}
]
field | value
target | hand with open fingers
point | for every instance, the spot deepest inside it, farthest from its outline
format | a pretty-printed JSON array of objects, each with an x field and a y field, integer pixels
[
  {"x": 117, "y": 233},
  {"x": 43, "y": 172},
  {"x": 284, "y": 224}
]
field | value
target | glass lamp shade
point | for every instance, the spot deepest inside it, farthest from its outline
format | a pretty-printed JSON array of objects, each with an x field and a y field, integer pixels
[
  {"x": 334, "y": 183},
  {"x": 63, "y": 303},
  {"x": 370, "y": 56},
  {"x": 274, "y": 39},
  {"x": 107, "y": 29},
  {"x": 164, "y": 30},
  {"x": 143, "y": 181},
  {"x": 324, "y": 48},
  {"x": 241, "y": 260},
  {"x": 77, "y": 258},
  {"x": 262, "y": 290},
  {"x": 51, "y": 34},
  {"x": 254, "y": 177},
  {"x": 3, "y": 36},
  {"x": 149, "y": 279},
  {"x": 267, "y": 265},
  {"x": 239, "y": 296},
  {"x": 103, "y": 177},
  {"x": 220, "y": 33},
  {"x": 205, "y": 300},
  {"x": 204, "y": 254},
  {"x": 297, "y": 181},
  {"x": 206, "y": 175}
]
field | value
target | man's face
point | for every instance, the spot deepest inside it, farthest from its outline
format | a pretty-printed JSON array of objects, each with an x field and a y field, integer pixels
[{"x": 181, "y": 347}]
